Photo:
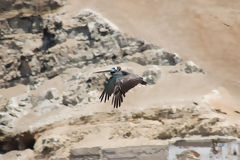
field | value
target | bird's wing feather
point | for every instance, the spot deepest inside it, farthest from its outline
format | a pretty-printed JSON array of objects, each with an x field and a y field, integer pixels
[
  {"x": 109, "y": 87},
  {"x": 129, "y": 82},
  {"x": 124, "y": 84},
  {"x": 108, "y": 90}
]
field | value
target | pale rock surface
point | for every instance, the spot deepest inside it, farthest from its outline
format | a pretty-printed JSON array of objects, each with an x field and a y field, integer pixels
[{"x": 27, "y": 154}]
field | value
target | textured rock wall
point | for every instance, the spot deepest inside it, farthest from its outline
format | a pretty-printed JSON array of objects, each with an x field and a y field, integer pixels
[
  {"x": 87, "y": 40},
  {"x": 30, "y": 7}
]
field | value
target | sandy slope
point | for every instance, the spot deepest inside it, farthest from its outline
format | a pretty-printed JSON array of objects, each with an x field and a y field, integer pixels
[{"x": 203, "y": 31}]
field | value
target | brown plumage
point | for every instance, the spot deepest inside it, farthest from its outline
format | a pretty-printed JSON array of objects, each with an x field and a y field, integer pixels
[{"x": 118, "y": 84}]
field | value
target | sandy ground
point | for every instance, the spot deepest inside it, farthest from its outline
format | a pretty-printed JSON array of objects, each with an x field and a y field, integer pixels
[{"x": 206, "y": 32}]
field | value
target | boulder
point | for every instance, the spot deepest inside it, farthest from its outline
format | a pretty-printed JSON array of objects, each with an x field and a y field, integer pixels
[
  {"x": 152, "y": 75},
  {"x": 191, "y": 67}
]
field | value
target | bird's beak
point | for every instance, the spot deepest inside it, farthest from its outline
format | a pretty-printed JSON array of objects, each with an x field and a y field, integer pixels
[{"x": 103, "y": 71}]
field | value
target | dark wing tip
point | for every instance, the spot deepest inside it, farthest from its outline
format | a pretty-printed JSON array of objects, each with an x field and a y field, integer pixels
[
  {"x": 117, "y": 100},
  {"x": 101, "y": 97},
  {"x": 104, "y": 96}
]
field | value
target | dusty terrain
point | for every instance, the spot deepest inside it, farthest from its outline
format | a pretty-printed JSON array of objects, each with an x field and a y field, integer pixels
[{"x": 49, "y": 94}]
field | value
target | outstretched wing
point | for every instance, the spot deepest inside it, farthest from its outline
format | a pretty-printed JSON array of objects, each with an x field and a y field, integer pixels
[
  {"x": 108, "y": 90},
  {"x": 124, "y": 84}
]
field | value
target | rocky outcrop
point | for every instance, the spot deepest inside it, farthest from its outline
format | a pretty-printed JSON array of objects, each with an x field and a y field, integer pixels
[
  {"x": 88, "y": 39},
  {"x": 192, "y": 67},
  {"x": 152, "y": 75},
  {"x": 164, "y": 123}
]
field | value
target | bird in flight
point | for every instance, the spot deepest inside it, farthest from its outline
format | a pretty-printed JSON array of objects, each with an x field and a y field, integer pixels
[{"x": 118, "y": 84}]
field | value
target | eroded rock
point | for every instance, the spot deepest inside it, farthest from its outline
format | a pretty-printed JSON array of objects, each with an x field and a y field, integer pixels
[
  {"x": 192, "y": 67},
  {"x": 87, "y": 40},
  {"x": 49, "y": 144},
  {"x": 152, "y": 75}
]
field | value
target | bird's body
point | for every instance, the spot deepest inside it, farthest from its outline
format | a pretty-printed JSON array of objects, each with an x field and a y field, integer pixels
[{"x": 118, "y": 84}]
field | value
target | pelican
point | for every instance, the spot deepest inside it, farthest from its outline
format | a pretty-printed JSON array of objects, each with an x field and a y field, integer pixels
[{"x": 118, "y": 84}]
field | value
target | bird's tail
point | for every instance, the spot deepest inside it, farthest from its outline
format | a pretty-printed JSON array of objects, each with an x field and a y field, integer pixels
[{"x": 144, "y": 82}]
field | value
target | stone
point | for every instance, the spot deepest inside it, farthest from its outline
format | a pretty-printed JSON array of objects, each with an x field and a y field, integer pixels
[
  {"x": 27, "y": 154},
  {"x": 152, "y": 75},
  {"x": 69, "y": 100},
  {"x": 153, "y": 56},
  {"x": 45, "y": 106},
  {"x": 76, "y": 152},
  {"x": 141, "y": 152},
  {"x": 188, "y": 155},
  {"x": 49, "y": 144},
  {"x": 52, "y": 93},
  {"x": 58, "y": 158},
  {"x": 35, "y": 66},
  {"x": 138, "y": 58},
  {"x": 85, "y": 153},
  {"x": 192, "y": 67}
]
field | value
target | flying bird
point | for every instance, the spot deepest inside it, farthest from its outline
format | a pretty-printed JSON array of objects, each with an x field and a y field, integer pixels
[{"x": 118, "y": 84}]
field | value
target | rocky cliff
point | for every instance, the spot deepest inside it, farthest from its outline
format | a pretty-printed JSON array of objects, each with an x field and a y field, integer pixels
[{"x": 49, "y": 94}]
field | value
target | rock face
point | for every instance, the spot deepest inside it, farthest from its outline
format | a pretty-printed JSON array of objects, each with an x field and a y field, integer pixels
[
  {"x": 191, "y": 67},
  {"x": 86, "y": 40},
  {"x": 55, "y": 56}
]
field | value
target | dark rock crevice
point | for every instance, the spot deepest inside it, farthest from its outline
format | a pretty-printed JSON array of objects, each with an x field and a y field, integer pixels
[
  {"x": 48, "y": 39},
  {"x": 19, "y": 142},
  {"x": 24, "y": 67},
  {"x": 21, "y": 24}
]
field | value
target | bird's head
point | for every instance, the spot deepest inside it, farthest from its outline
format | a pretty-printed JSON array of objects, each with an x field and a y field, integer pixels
[
  {"x": 112, "y": 71},
  {"x": 116, "y": 69}
]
